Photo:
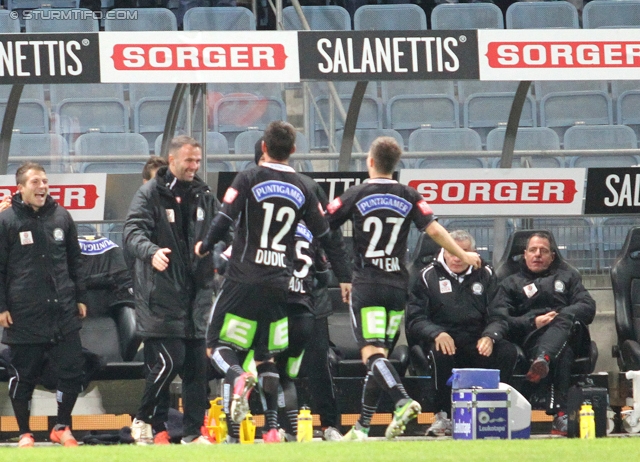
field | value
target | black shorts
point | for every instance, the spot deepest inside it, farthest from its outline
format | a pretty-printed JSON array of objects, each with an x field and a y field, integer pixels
[
  {"x": 376, "y": 314},
  {"x": 250, "y": 317}
]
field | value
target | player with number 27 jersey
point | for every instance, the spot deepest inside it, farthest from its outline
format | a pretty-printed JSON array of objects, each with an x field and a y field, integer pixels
[{"x": 382, "y": 211}]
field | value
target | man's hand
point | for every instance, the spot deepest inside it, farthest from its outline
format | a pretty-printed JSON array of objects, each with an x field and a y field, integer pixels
[
  {"x": 545, "y": 319},
  {"x": 473, "y": 259},
  {"x": 5, "y": 203},
  {"x": 209, "y": 352},
  {"x": 160, "y": 261},
  {"x": 345, "y": 288},
  {"x": 82, "y": 310},
  {"x": 5, "y": 319},
  {"x": 485, "y": 346},
  {"x": 197, "y": 248},
  {"x": 445, "y": 344}
]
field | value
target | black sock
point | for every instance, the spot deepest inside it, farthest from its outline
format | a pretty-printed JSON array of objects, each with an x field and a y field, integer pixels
[
  {"x": 22, "y": 410},
  {"x": 388, "y": 379},
  {"x": 371, "y": 393},
  {"x": 66, "y": 401},
  {"x": 290, "y": 398},
  {"x": 269, "y": 380}
]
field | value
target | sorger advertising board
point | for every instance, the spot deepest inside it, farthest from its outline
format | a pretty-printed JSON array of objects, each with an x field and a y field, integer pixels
[{"x": 499, "y": 192}]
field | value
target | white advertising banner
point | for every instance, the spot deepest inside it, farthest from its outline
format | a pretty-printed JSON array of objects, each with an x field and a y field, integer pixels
[
  {"x": 499, "y": 192},
  {"x": 559, "y": 54},
  {"x": 199, "y": 56},
  {"x": 82, "y": 194}
]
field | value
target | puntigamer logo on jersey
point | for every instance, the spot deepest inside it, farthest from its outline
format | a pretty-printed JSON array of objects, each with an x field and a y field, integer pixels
[
  {"x": 384, "y": 201},
  {"x": 274, "y": 188}
]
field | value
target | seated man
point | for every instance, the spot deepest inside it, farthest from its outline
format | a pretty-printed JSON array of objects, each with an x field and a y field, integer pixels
[
  {"x": 448, "y": 317},
  {"x": 541, "y": 303}
]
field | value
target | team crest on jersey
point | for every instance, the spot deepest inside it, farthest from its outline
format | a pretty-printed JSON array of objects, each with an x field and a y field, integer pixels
[
  {"x": 558, "y": 286},
  {"x": 58, "y": 234},
  {"x": 334, "y": 205},
  {"x": 274, "y": 188},
  {"x": 384, "y": 201},
  {"x": 200, "y": 214},
  {"x": 424, "y": 208},
  {"x": 303, "y": 232},
  {"x": 230, "y": 195},
  {"x": 477, "y": 288}
]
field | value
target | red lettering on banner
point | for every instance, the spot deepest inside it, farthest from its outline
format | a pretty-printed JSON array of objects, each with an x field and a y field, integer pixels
[
  {"x": 180, "y": 57},
  {"x": 70, "y": 196},
  {"x": 459, "y": 192},
  {"x": 563, "y": 54}
]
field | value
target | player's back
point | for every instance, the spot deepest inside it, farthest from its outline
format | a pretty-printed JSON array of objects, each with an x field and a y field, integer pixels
[
  {"x": 271, "y": 200},
  {"x": 382, "y": 211}
]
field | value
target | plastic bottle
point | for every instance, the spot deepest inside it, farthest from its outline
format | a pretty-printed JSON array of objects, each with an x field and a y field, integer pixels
[
  {"x": 587, "y": 422},
  {"x": 305, "y": 425},
  {"x": 247, "y": 430}
]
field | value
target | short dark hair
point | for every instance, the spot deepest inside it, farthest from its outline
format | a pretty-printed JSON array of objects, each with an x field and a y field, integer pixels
[
  {"x": 385, "y": 152},
  {"x": 257, "y": 150},
  {"x": 177, "y": 142},
  {"x": 24, "y": 168},
  {"x": 542, "y": 235},
  {"x": 280, "y": 139},
  {"x": 153, "y": 163}
]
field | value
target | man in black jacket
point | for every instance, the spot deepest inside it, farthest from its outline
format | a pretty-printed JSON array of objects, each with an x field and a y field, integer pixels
[
  {"x": 541, "y": 303},
  {"x": 173, "y": 288},
  {"x": 42, "y": 299},
  {"x": 448, "y": 317}
]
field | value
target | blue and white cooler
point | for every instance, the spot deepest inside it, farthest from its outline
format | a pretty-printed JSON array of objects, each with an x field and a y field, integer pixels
[{"x": 490, "y": 413}]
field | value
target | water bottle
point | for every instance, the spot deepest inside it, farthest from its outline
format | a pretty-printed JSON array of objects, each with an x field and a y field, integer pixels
[
  {"x": 247, "y": 430},
  {"x": 305, "y": 425},
  {"x": 587, "y": 422}
]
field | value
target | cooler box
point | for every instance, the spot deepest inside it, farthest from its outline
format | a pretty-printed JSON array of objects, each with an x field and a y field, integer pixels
[
  {"x": 501, "y": 413},
  {"x": 472, "y": 378}
]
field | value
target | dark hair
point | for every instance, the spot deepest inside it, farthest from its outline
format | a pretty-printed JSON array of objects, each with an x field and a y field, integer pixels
[
  {"x": 542, "y": 235},
  {"x": 181, "y": 140},
  {"x": 280, "y": 138},
  {"x": 257, "y": 150},
  {"x": 385, "y": 152},
  {"x": 153, "y": 163},
  {"x": 24, "y": 168}
]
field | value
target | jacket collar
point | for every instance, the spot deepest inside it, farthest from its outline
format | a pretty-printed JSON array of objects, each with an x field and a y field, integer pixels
[
  {"x": 20, "y": 207},
  {"x": 165, "y": 182},
  {"x": 456, "y": 276}
]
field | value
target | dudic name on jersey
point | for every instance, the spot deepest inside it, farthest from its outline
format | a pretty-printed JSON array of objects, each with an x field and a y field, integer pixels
[
  {"x": 384, "y": 201},
  {"x": 274, "y": 188},
  {"x": 270, "y": 258}
]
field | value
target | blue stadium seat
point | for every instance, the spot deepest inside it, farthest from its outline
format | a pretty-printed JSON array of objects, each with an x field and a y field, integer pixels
[
  {"x": 528, "y": 139},
  {"x": 446, "y": 139},
  {"x": 219, "y": 18},
  {"x": 116, "y": 144},
  {"x": 324, "y": 17},
  {"x": 627, "y": 109},
  {"x": 245, "y": 144},
  {"x": 618, "y": 87},
  {"x": 31, "y": 91},
  {"x": 612, "y": 232},
  {"x": 150, "y": 104},
  {"x": 404, "y": 16},
  {"x": 59, "y": 92},
  {"x": 544, "y": 87},
  {"x": 600, "y": 14},
  {"x": 365, "y": 137},
  {"x": 83, "y": 22},
  {"x": 146, "y": 19},
  {"x": 217, "y": 144},
  {"x": 562, "y": 110},
  {"x": 43, "y": 145},
  {"x": 542, "y": 15},
  {"x": 33, "y": 4},
  {"x": 601, "y": 137},
  {"x": 457, "y": 16},
  {"x": 8, "y": 24},
  {"x": 467, "y": 88},
  {"x": 482, "y": 230},
  {"x": 485, "y": 111},
  {"x": 408, "y": 113},
  {"x": 32, "y": 116},
  {"x": 391, "y": 88},
  {"x": 80, "y": 115}
]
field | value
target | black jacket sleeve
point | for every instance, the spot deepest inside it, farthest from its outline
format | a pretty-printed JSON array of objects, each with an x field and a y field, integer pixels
[
  {"x": 419, "y": 325},
  {"x": 139, "y": 225},
  {"x": 74, "y": 260},
  {"x": 583, "y": 306},
  {"x": 497, "y": 324}
]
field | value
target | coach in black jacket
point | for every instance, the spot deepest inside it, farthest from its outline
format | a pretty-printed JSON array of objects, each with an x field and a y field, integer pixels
[
  {"x": 42, "y": 299},
  {"x": 541, "y": 303},
  {"x": 448, "y": 316},
  {"x": 173, "y": 288}
]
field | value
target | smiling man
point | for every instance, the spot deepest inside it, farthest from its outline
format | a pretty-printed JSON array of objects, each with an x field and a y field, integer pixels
[
  {"x": 173, "y": 289},
  {"x": 541, "y": 303},
  {"x": 42, "y": 296}
]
